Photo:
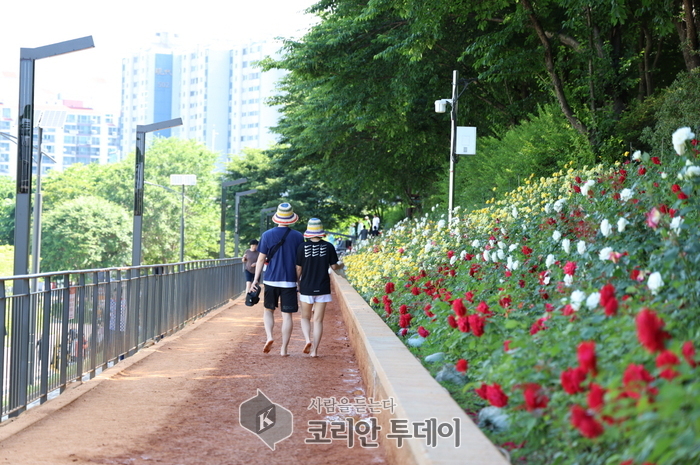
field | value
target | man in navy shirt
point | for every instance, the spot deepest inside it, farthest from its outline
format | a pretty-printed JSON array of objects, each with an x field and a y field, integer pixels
[{"x": 280, "y": 279}]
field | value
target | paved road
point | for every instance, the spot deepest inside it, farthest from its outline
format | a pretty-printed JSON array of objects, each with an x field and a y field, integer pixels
[{"x": 177, "y": 402}]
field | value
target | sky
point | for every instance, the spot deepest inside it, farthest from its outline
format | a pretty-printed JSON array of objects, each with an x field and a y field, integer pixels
[{"x": 120, "y": 28}]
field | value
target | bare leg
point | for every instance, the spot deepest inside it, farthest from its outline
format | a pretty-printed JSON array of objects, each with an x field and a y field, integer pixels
[
  {"x": 247, "y": 286},
  {"x": 306, "y": 322},
  {"x": 319, "y": 310},
  {"x": 287, "y": 326},
  {"x": 269, "y": 320}
]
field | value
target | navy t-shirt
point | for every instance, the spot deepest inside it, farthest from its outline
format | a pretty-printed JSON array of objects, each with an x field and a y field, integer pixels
[
  {"x": 314, "y": 258},
  {"x": 281, "y": 272}
]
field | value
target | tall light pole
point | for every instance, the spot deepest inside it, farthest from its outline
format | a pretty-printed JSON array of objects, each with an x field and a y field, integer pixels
[
  {"x": 265, "y": 213},
  {"x": 222, "y": 235},
  {"x": 141, "y": 131},
  {"x": 48, "y": 119},
  {"x": 440, "y": 107},
  {"x": 182, "y": 180},
  {"x": 25, "y": 140},
  {"x": 238, "y": 197}
]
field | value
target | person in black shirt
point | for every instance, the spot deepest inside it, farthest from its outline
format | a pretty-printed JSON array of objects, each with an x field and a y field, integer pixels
[{"x": 314, "y": 258}]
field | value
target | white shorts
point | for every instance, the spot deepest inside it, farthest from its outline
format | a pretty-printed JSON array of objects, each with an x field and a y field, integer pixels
[{"x": 310, "y": 299}]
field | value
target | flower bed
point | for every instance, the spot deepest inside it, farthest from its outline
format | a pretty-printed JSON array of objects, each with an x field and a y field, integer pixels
[{"x": 566, "y": 315}]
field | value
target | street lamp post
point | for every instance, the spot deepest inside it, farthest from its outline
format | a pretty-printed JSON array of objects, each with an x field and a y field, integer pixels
[
  {"x": 222, "y": 235},
  {"x": 238, "y": 197},
  {"x": 141, "y": 131},
  {"x": 25, "y": 140},
  {"x": 48, "y": 119},
  {"x": 440, "y": 107},
  {"x": 182, "y": 180},
  {"x": 265, "y": 213}
]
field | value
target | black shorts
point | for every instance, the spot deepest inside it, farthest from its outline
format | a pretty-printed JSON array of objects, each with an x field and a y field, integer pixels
[
  {"x": 287, "y": 296},
  {"x": 249, "y": 276}
]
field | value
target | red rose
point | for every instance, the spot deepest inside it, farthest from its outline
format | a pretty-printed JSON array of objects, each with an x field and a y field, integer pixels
[
  {"x": 505, "y": 301},
  {"x": 576, "y": 189},
  {"x": 423, "y": 332},
  {"x": 650, "y": 332},
  {"x": 572, "y": 378},
  {"x": 375, "y": 300},
  {"x": 458, "y": 307},
  {"x": 674, "y": 188},
  {"x": 481, "y": 392},
  {"x": 483, "y": 307},
  {"x": 682, "y": 195},
  {"x": 642, "y": 171},
  {"x": 655, "y": 160},
  {"x": 688, "y": 351},
  {"x": 506, "y": 345},
  {"x": 469, "y": 296},
  {"x": 534, "y": 397},
  {"x": 462, "y": 365},
  {"x": 568, "y": 310},
  {"x": 635, "y": 379},
  {"x": 526, "y": 250},
  {"x": 570, "y": 268},
  {"x": 585, "y": 423},
  {"x": 538, "y": 325},
  {"x": 496, "y": 396},
  {"x": 476, "y": 325},
  {"x": 595, "y": 397},
  {"x": 463, "y": 324},
  {"x": 405, "y": 320},
  {"x": 415, "y": 290},
  {"x": 450, "y": 253},
  {"x": 665, "y": 362},
  {"x": 451, "y": 321},
  {"x": 586, "y": 357},
  {"x": 389, "y": 287},
  {"x": 387, "y": 308},
  {"x": 403, "y": 309}
]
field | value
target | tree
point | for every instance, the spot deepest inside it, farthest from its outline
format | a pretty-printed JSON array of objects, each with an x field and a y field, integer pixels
[
  {"x": 85, "y": 232},
  {"x": 7, "y": 210}
]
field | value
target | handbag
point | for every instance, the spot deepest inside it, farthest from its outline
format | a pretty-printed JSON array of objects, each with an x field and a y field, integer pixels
[{"x": 252, "y": 297}]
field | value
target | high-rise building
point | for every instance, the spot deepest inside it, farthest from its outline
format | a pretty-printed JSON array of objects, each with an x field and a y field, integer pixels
[
  {"x": 85, "y": 135},
  {"x": 219, "y": 92}
]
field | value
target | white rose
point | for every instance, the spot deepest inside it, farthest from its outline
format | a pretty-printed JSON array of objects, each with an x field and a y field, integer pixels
[
  {"x": 581, "y": 247},
  {"x": 679, "y": 137},
  {"x": 622, "y": 224},
  {"x": 626, "y": 194},
  {"x": 605, "y": 227},
  {"x": 593, "y": 300},
  {"x": 676, "y": 223},
  {"x": 566, "y": 245},
  {"x": 577, "y": 297},
  {"x": 654, "y": 283},
  {"x": 605, "y": 252},
  {"x": 549, "y": 260},
  {"x": 556, "y": 235}
]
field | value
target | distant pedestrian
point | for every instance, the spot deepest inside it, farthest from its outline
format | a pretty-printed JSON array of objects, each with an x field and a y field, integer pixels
[
  {"x": 375, "y": 226},
  {"x": 315, "y": 258},
  {"x": 250, "y": 260},
  {"x": 279, "y": 246},
  {"x": 363, "y": 233}
]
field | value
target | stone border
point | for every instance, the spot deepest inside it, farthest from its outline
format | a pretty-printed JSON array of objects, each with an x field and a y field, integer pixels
[{"x": 390, "y": 371}]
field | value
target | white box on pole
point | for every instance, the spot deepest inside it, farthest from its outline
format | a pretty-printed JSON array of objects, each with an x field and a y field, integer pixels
[{"x": 465, "y": 143}]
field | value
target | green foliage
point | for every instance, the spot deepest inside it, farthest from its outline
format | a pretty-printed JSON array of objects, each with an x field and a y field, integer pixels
[
  {"x": 679, "y": 107},
  {"x": 563, "y": 273},
  {"x": 83, "y": 233},
  {"x": 537, "y": 147},
  {"x": 7, "y": 260},
  {"x": 7, "y": 210}
]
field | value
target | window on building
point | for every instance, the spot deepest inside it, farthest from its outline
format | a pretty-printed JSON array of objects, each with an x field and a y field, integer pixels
[{"x": 69, "y": 140}]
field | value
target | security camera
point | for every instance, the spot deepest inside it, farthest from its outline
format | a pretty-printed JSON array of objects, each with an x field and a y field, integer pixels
[{"x": 441, "y": 105}]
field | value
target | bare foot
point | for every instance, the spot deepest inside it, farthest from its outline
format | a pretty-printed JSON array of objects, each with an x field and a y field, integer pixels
[
  {"x": 268, "y": 346},
  {"x": 307, "y": 348},
  {"x": 313, "y": 354}
]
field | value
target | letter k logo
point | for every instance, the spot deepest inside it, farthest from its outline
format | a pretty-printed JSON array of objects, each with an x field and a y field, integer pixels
[{"x": 266, "y": 419}]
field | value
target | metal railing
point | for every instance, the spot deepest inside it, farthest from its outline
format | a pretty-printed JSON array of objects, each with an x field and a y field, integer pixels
[{"x": 78, "y": 323}]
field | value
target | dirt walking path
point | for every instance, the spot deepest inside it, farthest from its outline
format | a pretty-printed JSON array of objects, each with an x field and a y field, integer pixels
[{"x": 180, "y": 403}]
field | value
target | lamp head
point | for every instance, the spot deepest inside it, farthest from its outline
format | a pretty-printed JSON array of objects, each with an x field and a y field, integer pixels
[{"x": 441, "y": 105}]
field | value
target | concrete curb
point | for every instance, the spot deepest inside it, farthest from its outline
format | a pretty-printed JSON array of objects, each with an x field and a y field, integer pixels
[
  {"x": 75, "y": 390},
  {"x": 390, "y": 371}
]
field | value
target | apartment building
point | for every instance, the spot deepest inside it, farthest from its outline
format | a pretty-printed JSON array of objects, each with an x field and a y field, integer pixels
[{"x": 218, "y": 91}]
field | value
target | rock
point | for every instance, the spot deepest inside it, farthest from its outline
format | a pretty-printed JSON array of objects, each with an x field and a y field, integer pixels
[
  {"x": 449, "y": 374},
  {"x": 436, "y": 357},
  {"x": 493, "y": 419},
  {"x": 415, "y": 341}
]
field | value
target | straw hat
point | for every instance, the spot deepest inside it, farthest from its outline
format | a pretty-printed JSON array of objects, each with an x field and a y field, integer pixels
[
  {"x": 285, "y": 215},
  {"x": 314, "y": 228}
]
